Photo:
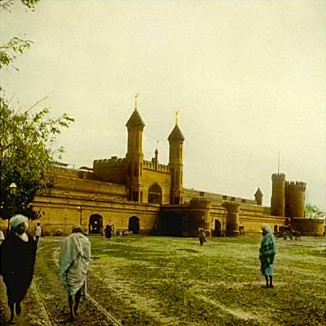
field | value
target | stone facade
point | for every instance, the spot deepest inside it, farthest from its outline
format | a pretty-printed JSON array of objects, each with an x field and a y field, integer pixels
[{"x": 147, "y": 197}]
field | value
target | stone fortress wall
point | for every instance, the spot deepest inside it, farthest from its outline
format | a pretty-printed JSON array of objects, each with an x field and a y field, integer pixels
[
  {"x": 147, "y": 197},
  {"x": 74, "y": 199},
  {"x": 294, "y": 199}
]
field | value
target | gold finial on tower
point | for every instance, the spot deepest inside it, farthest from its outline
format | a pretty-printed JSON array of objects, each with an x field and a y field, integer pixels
[
  {"x": 136, "y": 98},
  {"x": 176, "y": 116}
]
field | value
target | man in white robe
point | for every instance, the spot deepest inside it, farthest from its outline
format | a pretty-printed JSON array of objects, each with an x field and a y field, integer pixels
[{"x": 75, "y": 256}]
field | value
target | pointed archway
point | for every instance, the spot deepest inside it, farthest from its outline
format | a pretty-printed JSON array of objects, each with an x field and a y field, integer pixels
[
  {"x": 155, "y": 194},
  {"x": 95, "y": 225},
  {"x": 133, "y": 224}
]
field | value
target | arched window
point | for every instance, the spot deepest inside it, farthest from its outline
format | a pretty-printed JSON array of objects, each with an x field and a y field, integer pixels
[{"x": 155, "y": 194}]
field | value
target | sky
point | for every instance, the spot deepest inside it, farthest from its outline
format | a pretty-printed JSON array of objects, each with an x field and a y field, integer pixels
[{"x": 248, "y": 79}]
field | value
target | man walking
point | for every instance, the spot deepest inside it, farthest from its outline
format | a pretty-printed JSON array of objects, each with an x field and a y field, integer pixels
[
  {"x": 75, "y": 256},
  {"x": 18, "y": 252},
  {"x": 201, "y": 236}
]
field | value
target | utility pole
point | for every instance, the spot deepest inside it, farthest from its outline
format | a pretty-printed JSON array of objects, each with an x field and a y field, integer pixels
[{"x": 80, "y": 210}]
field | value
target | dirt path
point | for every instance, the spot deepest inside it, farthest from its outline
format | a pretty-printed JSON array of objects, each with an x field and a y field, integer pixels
[
  {"x": 46, "y": 303},
  {"x": 55, "y": 299},
  {"x": 33, "y": 310}
]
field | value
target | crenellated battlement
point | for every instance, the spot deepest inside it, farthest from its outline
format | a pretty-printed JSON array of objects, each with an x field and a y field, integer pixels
[
  {"x": 295, "y": 186},
  {"x": 200, "y": 203},
  {"x": 151, "y": 165},
  {"x": 288, "y": 197},
  {"x": 278, "y": 177},
  {"x": 114, "y": 161},
  {"x": 295, "y": 198}
]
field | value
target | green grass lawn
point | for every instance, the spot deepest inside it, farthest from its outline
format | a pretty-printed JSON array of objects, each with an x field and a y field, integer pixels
[
  {"x": 174, "y": 281},
  {"x": 158, "y": 281}
]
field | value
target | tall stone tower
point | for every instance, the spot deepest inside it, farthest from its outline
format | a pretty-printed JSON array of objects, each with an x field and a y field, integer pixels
[
  {"x": 278, "y": 194},
  {"x": 135, "y": 156},
  {"x": 294, "y": 199},
  {"x": 176, "y": 140}
]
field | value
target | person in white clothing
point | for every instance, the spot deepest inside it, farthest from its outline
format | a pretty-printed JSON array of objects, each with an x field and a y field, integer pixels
[
  {"x": 37, "y": 232},
  {"x": 75, "y": 256}
]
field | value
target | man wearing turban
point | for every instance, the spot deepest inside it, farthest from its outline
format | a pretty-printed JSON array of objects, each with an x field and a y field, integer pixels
[
  {"x": 75, "y": 255},
  {"x": 267, "y": 253},
  {"x": 18, "y": 252}
]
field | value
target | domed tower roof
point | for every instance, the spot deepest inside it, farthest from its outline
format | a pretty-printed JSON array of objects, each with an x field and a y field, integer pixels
[
  {"x": 135, "y": 120},
  {"x": 176, "y": 134}
]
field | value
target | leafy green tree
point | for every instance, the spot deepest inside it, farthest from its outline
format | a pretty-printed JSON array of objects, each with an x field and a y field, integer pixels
[
  {"x": 27, "y": 139},
  {"x": 7, "y": 4},
  {"x": 312, "y": 211},
  {"x": 16, "y": 45}
]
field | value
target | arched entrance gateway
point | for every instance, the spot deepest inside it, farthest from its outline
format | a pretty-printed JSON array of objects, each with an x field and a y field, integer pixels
[
  {"x": 133, "y": 224},
  {"x": 95, "y": 225},
  {"x": 217, "y": 230}
]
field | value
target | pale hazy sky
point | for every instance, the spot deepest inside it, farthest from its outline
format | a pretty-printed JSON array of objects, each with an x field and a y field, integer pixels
[{"x": 248, "y": 77}]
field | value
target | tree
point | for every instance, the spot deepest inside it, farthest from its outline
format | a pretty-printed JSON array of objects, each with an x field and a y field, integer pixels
[
  {"x": 27, "y": 138},
  {"x": 312, "y": 211},
  {"x": 7, "y": 4}
]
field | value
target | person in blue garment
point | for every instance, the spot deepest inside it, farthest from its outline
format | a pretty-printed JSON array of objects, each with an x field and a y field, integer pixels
[{"x": 267, "y": 252}]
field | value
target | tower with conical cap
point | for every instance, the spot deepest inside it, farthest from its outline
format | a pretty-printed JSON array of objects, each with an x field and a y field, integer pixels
[
  {"x": 259, "y": 197},
  {"x": 176, "y": 140},
  {"x": 135, "y": 156}
]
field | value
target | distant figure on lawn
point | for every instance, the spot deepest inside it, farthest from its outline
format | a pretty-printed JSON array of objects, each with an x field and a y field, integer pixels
[
  {"x": 201, "y": 236},
  {"x": 75, "y": 255},
  {"x": 37, "y": 232},
  {"x": 18, "y": 252},
  {"x": 108, "y": 231},
  {"x": 267, "y": 252}
]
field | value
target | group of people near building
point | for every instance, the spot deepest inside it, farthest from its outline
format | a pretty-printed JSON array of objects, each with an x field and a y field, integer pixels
[{"x": 18, "y": 254}]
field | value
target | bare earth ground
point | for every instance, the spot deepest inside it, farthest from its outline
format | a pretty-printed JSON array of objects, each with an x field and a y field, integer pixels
[{"x": 173, "y": 281}]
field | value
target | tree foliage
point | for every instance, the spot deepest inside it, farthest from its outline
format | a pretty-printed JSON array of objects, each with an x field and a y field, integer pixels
[
  {"x": 9, "y": 51},
  {"x": 7, "y": 4},
  {"x": 26, "y": 142},
  {"x": 27, "y": 138},
  {"x": 312, "y": 211},
  {"x": 16, "y": 45}
]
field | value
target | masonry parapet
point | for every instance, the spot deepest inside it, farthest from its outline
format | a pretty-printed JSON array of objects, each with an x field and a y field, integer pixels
[
  {"x": 295, "y": 186},
  {"x": 152, "y": 165},
  {"x": 213, "y": 197},
  {"x": 200, "y": 203},
  {"x": 278, "y": 177},
  {"x": 295, "y": 199},
  {"x": 114, "y": 161},
  {"x": 71, "y": 172}
]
